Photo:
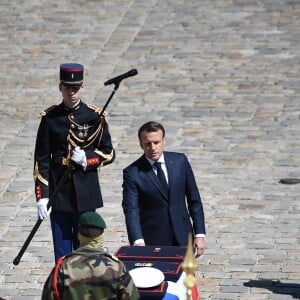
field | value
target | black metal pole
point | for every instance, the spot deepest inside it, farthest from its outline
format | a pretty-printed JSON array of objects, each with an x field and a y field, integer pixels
[{"x": 39, "y": 221}]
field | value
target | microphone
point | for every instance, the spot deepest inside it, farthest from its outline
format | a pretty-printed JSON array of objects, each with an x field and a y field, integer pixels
[{"x": 117, "y": 80}]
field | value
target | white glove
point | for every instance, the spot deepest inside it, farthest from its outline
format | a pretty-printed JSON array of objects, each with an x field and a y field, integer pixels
[
  {"x": 42, "y": 208},
  {"x": 79, "y": 157}
]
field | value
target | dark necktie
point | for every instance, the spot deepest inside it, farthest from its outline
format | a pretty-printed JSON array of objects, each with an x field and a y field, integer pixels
[{"x": 161, "y": 176}]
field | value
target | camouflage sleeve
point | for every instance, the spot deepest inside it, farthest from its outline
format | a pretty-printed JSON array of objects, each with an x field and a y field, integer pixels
[
  {"x": 48, "y": 290},
  {"x": 127, "y": 290},
  {"x": 54, "y": 283}
]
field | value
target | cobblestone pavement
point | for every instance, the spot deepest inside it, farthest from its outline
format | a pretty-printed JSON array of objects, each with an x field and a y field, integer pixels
[{"x": 221, "y": 75}]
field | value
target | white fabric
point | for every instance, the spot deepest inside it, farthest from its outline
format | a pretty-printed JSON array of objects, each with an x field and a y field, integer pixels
[
  {"x": 139, "y": 241},
  {"x": 42, "y": 208},
  {"x": 79, "y": 157},
  {"x": 200, "y": 235},
  {"x": 177, "y": 288}
]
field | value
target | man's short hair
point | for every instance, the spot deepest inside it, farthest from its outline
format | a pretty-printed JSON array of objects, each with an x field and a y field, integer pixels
[{"x": 151, "y": 126}]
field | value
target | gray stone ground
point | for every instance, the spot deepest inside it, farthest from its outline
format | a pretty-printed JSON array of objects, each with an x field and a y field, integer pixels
[{"x": 221, "y": 75}]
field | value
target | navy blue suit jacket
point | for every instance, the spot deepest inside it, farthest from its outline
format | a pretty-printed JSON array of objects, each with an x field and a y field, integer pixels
[{"x": 150, "y": 213}]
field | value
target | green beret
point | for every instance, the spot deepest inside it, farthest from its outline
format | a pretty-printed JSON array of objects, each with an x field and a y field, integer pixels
[{"x": 91, "y": 219}]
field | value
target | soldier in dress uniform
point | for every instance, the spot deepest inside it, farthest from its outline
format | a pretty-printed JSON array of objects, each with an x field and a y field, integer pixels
[
  {"x": 71, "y": 132},
  {"x": 90, "y": 272}
]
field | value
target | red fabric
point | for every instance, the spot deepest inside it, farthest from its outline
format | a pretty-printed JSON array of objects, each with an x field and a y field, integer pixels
[
  {"x": 195, "y": 293},
  {"x": 93, "y": 161},
  {"x": 55, "y": 277}
]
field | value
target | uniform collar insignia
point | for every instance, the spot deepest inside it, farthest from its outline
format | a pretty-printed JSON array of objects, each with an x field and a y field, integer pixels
[{"x": 71, "y": 109}]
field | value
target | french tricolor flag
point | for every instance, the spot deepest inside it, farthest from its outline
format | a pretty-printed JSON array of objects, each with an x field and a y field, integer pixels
[{"x": 177, "y": 290}]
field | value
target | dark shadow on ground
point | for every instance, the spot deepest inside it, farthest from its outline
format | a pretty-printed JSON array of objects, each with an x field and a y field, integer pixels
[{"x": 276, "y": 287}]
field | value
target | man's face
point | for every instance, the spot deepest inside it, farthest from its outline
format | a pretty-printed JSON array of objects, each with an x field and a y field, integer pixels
[
  {"x": 153, "y": 144},
  {"x": 71, "y": 93}
]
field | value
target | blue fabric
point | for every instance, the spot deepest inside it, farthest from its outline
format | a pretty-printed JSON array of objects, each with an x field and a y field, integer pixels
[
  {"x": 176, "y": 290},
  {"x": 65, "y": 232},
  {"x": 168, "y": 296},
  {"x": 161, "y": 176},
  {"x": 154, "y": 215}
]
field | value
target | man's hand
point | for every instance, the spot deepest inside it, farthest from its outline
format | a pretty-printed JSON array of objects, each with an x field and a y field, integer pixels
[
  {"x": 139, "y": 242},
  {"x": 199, "y": 243},
  {"x": 79, "y": 157},
  {"x": 42, "y": 208}
]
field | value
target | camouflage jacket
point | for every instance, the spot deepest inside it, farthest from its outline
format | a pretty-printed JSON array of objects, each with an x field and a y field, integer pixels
[{"x": 89, "y": 274}]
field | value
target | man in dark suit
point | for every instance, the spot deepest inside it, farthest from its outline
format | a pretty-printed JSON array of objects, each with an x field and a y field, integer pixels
[{"x": 161, "y": 212}]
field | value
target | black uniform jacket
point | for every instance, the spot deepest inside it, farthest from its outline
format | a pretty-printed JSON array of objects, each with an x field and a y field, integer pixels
[{"x": 62, "y": 129}]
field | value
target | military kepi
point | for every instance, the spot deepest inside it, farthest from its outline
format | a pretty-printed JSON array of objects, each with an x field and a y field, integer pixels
[{"x": 71, "y": 74}]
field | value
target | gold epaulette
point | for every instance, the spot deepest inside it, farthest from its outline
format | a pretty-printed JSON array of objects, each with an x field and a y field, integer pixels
[
  {"x": 46, "y": 111},
  {"x": 96, "y": 109}
]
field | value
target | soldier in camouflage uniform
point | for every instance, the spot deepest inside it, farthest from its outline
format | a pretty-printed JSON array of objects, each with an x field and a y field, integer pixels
[
  {"x": 70, "y": 132},
  {"x": 90, "y": 272}
]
